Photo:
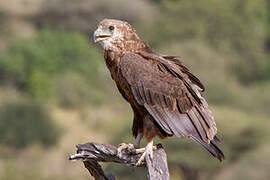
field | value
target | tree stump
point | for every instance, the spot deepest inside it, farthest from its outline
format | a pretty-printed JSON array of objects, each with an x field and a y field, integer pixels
[{"x": 92, "y": 153}]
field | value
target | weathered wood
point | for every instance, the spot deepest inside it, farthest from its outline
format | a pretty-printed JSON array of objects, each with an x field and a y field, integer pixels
[
  {"x": 158, "y": 167},
  {"x": 92, "y": 153}
]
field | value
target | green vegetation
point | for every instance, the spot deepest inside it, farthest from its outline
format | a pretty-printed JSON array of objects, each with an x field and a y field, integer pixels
[
  {"x": 38, "y": 66},
  {"x": 25, "y": 123},
  {"x": 235, "y": 27},
  {"x": 52, "y": 77}
]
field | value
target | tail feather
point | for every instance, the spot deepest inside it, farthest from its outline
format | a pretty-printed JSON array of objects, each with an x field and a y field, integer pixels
[
  {"x": 211, "y": 147},
  {"x": 216, "y": 140}
]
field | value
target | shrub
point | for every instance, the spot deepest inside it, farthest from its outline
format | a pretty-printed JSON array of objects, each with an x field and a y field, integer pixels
[
  {"x": 32, "y": 65},
  {"x": 73, "y": 91},
  {"x": 25, "y": 123},
  {"x": 229, "y": 27}
]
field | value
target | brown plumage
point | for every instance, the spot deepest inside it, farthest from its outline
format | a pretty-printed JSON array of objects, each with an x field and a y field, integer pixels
[{"x": 164, "y": 95}]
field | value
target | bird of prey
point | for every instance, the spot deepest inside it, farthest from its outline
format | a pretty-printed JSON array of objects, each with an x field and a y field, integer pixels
[{"x": 164, "y": 95}]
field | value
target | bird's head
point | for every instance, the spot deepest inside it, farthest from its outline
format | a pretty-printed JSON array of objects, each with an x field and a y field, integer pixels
[{"x": 115, "y": 35}]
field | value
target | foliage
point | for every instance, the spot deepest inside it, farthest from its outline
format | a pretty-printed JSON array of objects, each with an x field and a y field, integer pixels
[
  {"x": 265, "y": 71},
  {"x": 25, "y": 123},
  {"x": 32, "y": 65},
  {"x": 73, "y": 91},
  {"x": 84, "y": 15},
  {"x": 236, "y": 27}
]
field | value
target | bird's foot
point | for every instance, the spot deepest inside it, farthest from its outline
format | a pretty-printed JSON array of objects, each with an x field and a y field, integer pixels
[
  {"x": 147, "y": 151},
  {"x": 125, "y": 146},
  {"x": 142, "y": 159}
]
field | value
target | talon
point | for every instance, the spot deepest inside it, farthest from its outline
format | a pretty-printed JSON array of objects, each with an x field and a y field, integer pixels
[
  {"x": 147, "y": 151},
  {"x": 142, "y": 158},
  {"x": 121, "y": 147},
  {"x": 124, "y": 146}
]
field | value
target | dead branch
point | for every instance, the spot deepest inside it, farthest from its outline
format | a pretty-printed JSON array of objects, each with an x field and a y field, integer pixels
[{"x": 92, "y": 153}]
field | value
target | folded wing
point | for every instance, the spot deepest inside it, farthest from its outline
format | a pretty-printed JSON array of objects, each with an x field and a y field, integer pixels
[{"x": 171, "y": 97}]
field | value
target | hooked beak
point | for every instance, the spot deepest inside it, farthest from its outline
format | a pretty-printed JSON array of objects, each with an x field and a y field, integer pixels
[{"x": 100, "y": 35}]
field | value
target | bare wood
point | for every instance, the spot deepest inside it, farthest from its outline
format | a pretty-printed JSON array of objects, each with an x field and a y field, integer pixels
[
  {"x": 92, "y": 153},
  {"x": 158, "y": 167}
]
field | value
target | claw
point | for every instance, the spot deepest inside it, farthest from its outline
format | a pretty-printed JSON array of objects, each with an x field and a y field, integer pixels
[
  {"x": 142, "y": 158},
  {"x": 123, "y": 146},
  {"x": 148, "y": 151}
]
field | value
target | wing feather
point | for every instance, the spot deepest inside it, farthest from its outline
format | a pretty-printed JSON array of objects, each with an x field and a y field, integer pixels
[{"x": 168, "y": 96}]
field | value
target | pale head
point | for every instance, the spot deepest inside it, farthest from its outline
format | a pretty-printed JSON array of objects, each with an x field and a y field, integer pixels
[{"x": 115, "y": 35}]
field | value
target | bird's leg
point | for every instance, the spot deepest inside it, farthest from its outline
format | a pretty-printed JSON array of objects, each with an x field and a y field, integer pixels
[
  {"x": 138, "y": 140},
  {"x": 148, "y": 151},
  {"x": 130, "y": 146}
]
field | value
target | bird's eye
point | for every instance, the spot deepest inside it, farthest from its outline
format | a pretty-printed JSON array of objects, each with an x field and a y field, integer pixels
[{"x": 111, "y": 28}]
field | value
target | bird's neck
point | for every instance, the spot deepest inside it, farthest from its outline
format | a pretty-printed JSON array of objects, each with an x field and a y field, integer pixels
[
  {"x": 124, "y": 45},
  {"x": 112, "y": 58},
  {"x": 118, "y": 49}
]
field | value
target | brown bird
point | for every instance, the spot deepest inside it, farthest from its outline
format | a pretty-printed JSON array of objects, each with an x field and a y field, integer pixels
[{"x": 164, "y": 95}]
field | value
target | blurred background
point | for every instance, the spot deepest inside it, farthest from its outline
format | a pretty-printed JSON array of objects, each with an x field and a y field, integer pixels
[{"x": 55, "y": 90}]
